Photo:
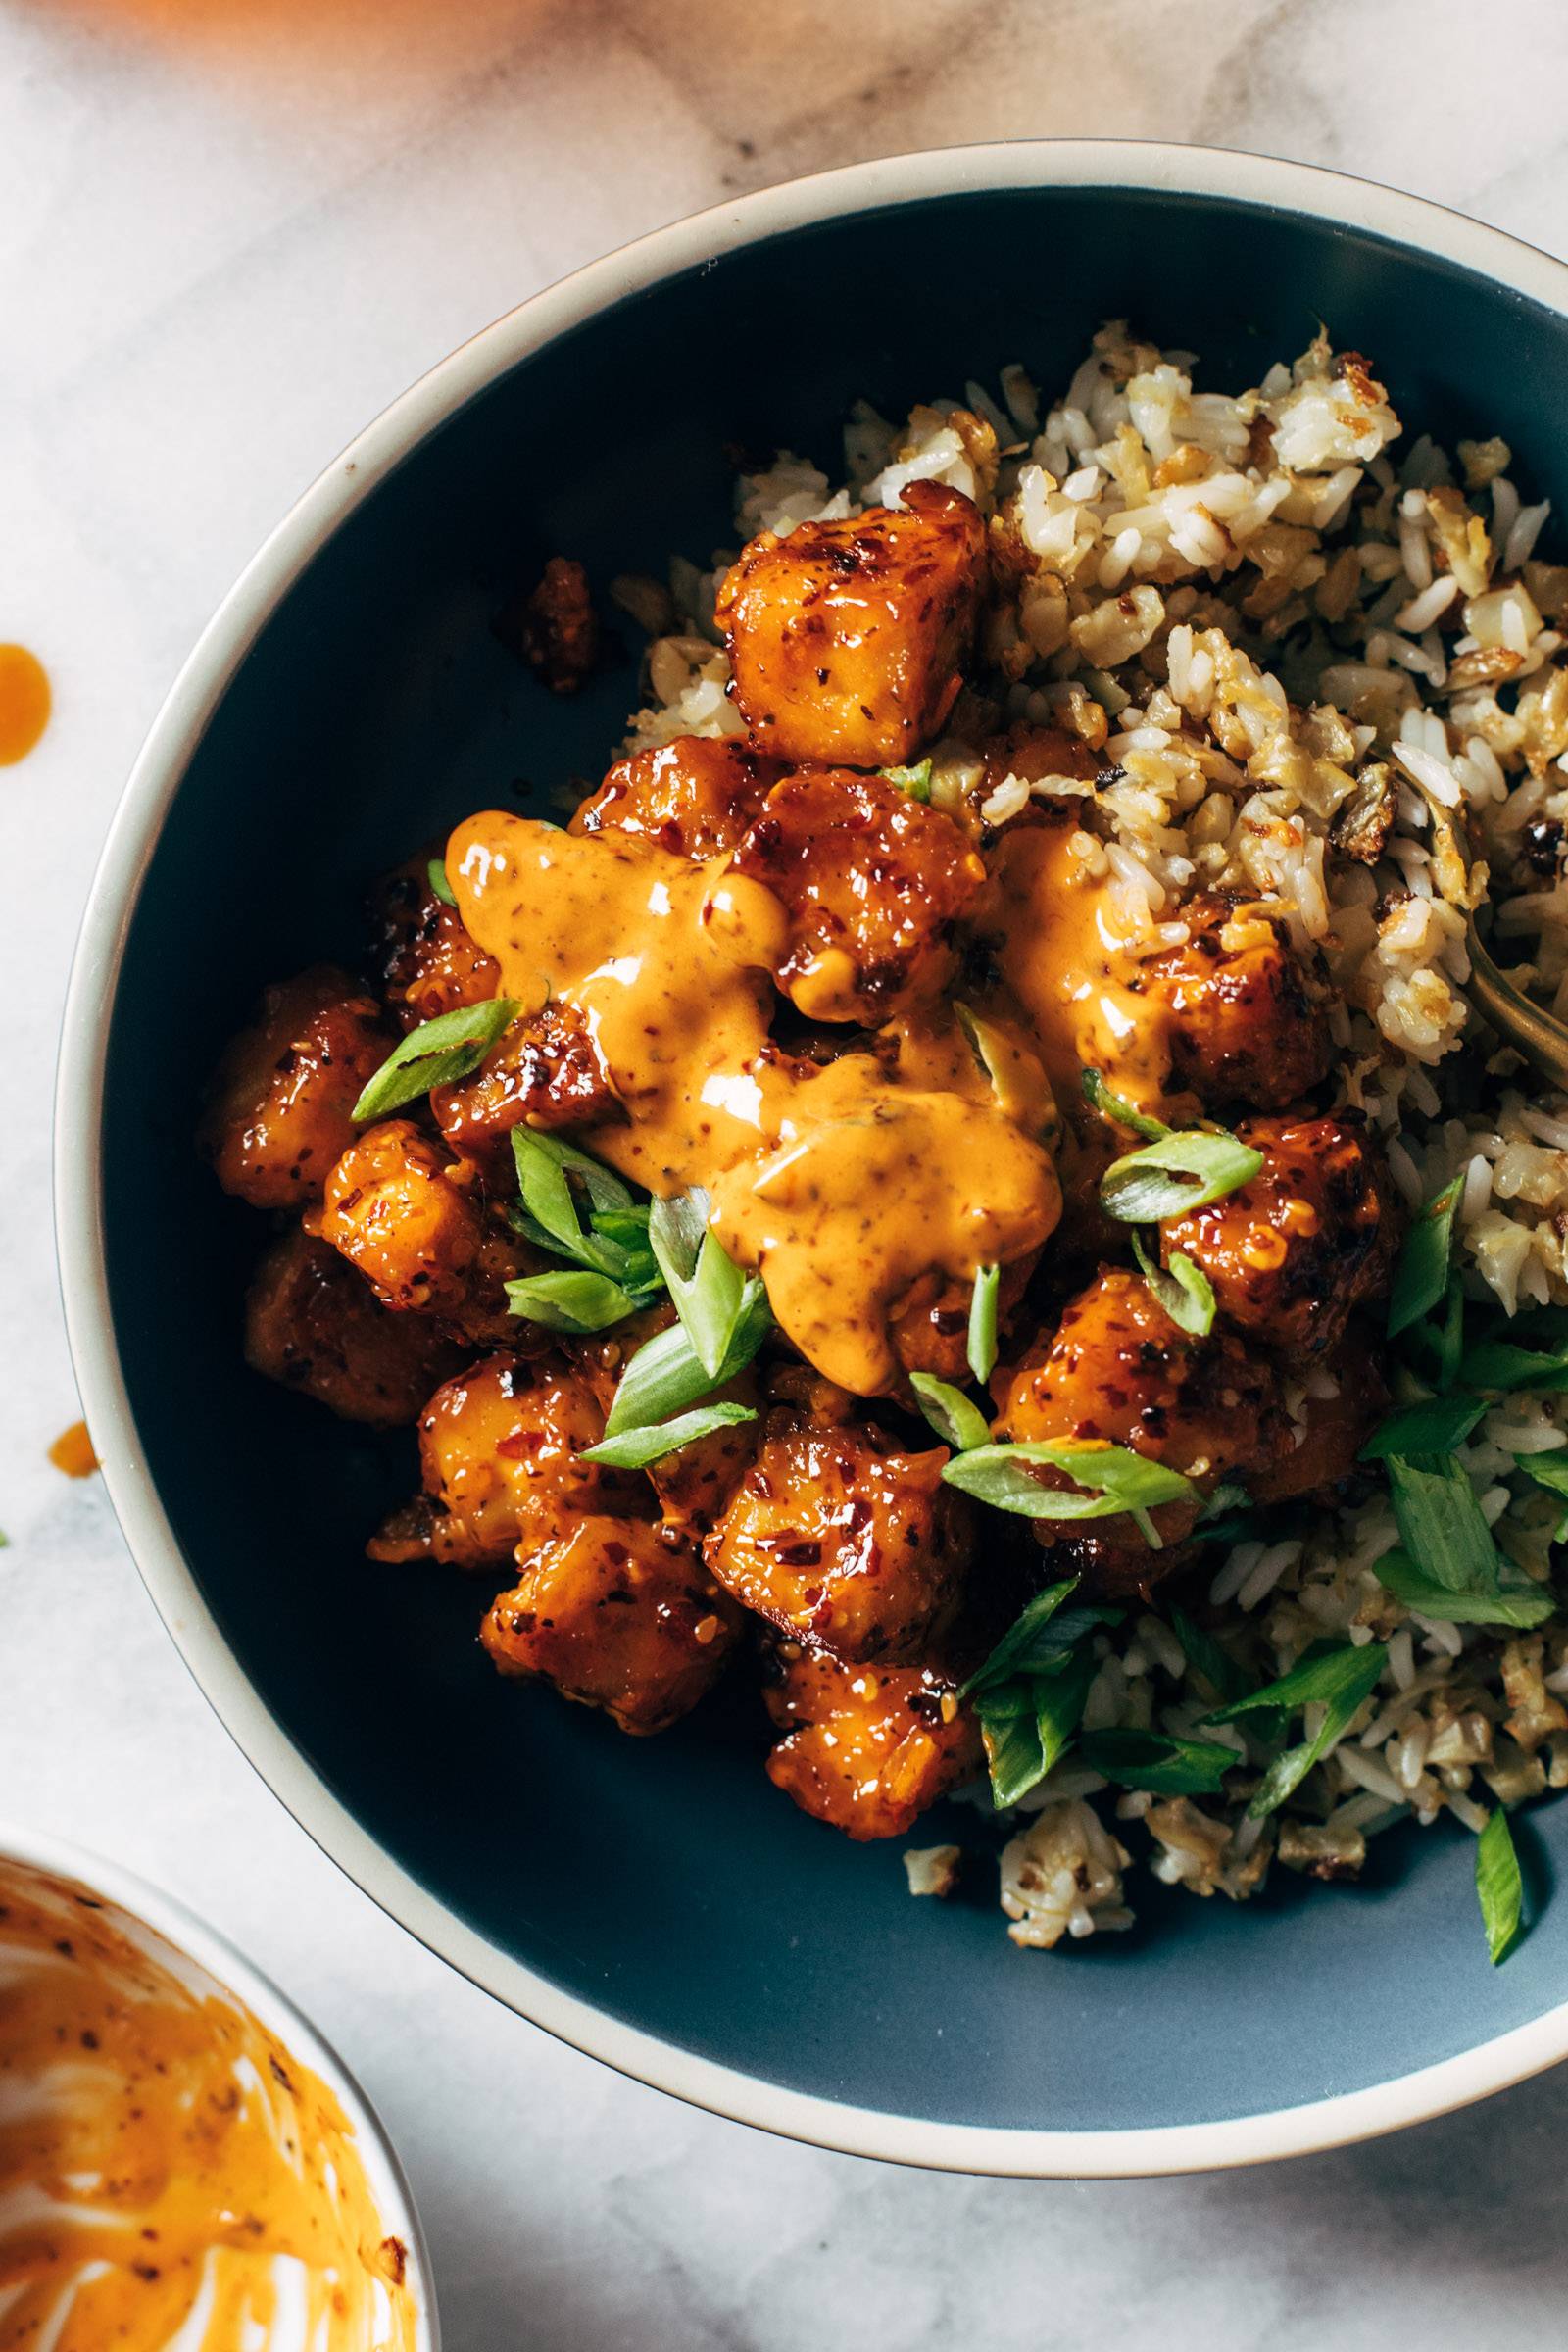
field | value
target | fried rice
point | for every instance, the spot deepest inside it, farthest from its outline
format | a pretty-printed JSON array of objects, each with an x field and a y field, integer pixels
[{"x": 1284, "y": 630}]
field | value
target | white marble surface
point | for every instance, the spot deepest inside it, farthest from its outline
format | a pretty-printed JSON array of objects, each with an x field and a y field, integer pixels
[{"x": 230, "y": 232}]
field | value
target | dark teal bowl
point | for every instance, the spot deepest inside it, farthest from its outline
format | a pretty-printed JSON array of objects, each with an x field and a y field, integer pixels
[{"x": 657, "y": 1903}]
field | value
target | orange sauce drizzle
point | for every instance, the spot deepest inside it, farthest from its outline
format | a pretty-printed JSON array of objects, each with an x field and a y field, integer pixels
[
  {"x": 1065, "y": 955},
  {"x": 71, "y": 1452},
  {"x": 169, "y": 2172},
  {"x": 842, "y": 1186},
  {"x": 24, "y": 702}
]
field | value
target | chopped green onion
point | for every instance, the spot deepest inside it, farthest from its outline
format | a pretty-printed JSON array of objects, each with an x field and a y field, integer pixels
[
  {"x": 1224, "y": 1677},
  {"x": 961, "y": 1424},
  {"x": 617, "y": 1246},
  {"x": 1180, "y": 1172},
  {"x": 1499, "y": 1885},
  {"x": 635, "y": 1448},
  {"x": 704, "y": 1281},
  {"x": 438, "y": 1053},
  {"x": 1451, "y": 1338},
  {"x": 1549, "y": 1470},
  {"x": 1340, "y": 1680},
  {"x": 1113, "y": 1480},
  {"x": 543, "y": 1161},
  {"x": 1099, "y": 1098},
  {"x": 1323, "y": 1675},
  {"x": 1154, "y": 1760},
  {"x": 915, "y": 780},
  {"x": 1514, "y": 1606},
  {"x": 1442, "y": 1526},
  {"x": 1501, "y": 1366},
  {"x": 982, "y": 1349},
  {"x": 570, "y": 1301},
  {"x": 1421, "y": 1276},
  {"x": 1027, "y": 1723},
  {"x": 1039, "y": 1637},
  {"x": 440, "y": 887},
  {"x": 1181, "y": 1288},
  {"x": 667, "y": 1374},
  {"x": 1434, "y": 1427}
]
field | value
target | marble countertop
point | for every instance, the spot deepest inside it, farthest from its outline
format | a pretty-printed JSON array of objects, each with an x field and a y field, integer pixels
[{"x": 230, "y": 232}]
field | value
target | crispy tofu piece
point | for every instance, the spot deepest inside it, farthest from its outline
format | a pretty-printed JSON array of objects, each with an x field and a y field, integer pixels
[
  {"x": 499, "y": 1448},
  {"x": 1247, "y": 1012},
  {"x": 1319, "y": 1450},
  {"x": 1118, "y": 1371},
  {"x": 312, "y": 1324},
  {"x": 618, "y": 1613},
  {"x": 874, "y": 883},
  {"x": 867, "y": 1749},
  {"x": 837, "y": 1535},
  {"x": 429, "y": 965},
  {"x": 847, "y": 640},
  {"x": 413, "y": 1221},
  {"x": 545, "y": 1072},
  {"x": 278, "y": 1114},
  {"x": 1312, "y": 1237},
  {"x": 694, "y": 797}
]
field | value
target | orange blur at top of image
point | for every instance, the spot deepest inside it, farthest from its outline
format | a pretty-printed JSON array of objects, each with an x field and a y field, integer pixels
[
  {"x": 24, "y": 702},
  {"x": 71, "y": 1452},
  {"x": 362, "y": 47}
]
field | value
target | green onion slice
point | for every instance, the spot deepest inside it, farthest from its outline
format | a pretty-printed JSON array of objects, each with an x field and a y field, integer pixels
[
  {"x": 1158, "y": 1762},
  {"x": 1434, "y": 1427},
  {"x": 1039, "y": 1637},
  {"x": 1027, "y": 1724},
  {"x": 636, "y": 1448},
  {"x": 1206, "y": 1656},
  {"x": 1111, "y": 1478},
  {"x": 571, "y": 1301},
  {"x": 1499, "y": 1885},
  {"x": 982, "y": 1346},
  {"x": 1339, "y": 1680},
  {"x": 915, "y": 780},
  {"x": 1181, "y": 1288},
  {"x": 706, "y": 1284},
  {"x": 1421, "y": 1276},
  {"x": 958, "y": 1423},
  {"x": 438, "y": 1053},
  {"x": 1115, "y": 1107},
  {"x": 440, "y": 887},
  {"x": 667, "y": 1374},
  {"x": 1176, "y": 1174}
]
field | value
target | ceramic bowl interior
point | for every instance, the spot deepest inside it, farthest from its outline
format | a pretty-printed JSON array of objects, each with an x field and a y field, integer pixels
[
  {"x": 657, "y": 1900},
  {"x": 185, "y": 1952}
]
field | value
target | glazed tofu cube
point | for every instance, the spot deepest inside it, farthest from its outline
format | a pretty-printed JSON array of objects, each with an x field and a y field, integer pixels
[
  {"x": 847, "y": 639},
  {"x": 280, "y": 1114},
  {"x": 619, "y": 1614},
  {"x": 869, "y": 1748}
]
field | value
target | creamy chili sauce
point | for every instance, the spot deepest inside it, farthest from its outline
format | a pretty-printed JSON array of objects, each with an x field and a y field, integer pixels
[
  {"x": 24, "y": 702},
  {"x": 72, "y": 1453},
  {"x": 843, "y": 1186},
  {"x": 1068, "y": 956},
  {"x": 170, "y": 2174}
]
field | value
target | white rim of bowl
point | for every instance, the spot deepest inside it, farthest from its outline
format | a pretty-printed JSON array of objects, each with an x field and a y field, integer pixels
[
  {"x": 212, "y": 1950},
  {"x": 1260, "y": 181}
]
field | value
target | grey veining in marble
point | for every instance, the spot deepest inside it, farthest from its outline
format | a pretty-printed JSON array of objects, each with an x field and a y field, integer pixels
[{"x": 230, "y": 232}]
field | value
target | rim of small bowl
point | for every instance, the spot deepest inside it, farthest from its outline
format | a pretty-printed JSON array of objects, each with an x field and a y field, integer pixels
[
  {"x": 1263, "y": 182},
  {"x": 196, "y": 1940}
]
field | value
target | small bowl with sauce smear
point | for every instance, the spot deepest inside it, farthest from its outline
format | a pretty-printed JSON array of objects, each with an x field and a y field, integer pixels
[{"x": 182, "y": 2159}]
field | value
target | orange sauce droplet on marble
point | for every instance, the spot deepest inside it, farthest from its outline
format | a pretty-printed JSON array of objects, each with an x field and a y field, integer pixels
[
  {"x": 24, "y": 702},
  {"x": 71, "y": 1452}
]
